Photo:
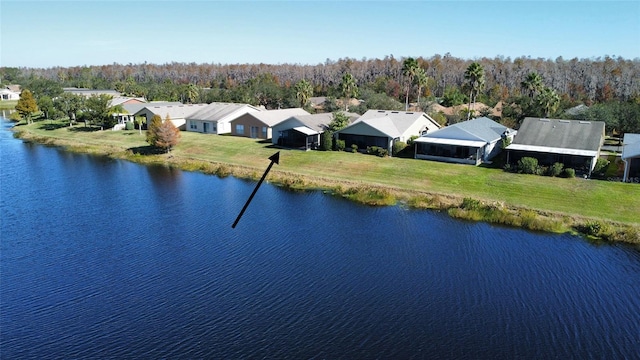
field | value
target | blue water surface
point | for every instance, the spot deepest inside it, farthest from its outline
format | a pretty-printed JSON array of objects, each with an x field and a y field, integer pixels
[{"x": 105, "y": 259}]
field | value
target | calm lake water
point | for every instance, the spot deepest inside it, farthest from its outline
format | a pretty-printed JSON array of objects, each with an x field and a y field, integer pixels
[{"x": 105, "y": 259}]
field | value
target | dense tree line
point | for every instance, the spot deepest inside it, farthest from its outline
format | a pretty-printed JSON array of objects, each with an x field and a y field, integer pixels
[
  {"x": 527, "y": 86},
  {"x": 585, "y": 80}
]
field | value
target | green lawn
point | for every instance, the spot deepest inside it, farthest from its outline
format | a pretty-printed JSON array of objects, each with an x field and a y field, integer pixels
[
  {"x": 8, "y": 104},
  {"x": 591, "y": 198}
]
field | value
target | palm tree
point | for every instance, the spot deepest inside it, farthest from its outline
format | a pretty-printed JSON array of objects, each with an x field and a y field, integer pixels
[
  {"x": 304, "y": 91},
  {"x": 348, "y": 89},
  {"x": 549, "y": 100},
  {"x": 191, "y": 93},
  {"x": 475, "y": 75},
  {"x": 409, "y": 70},
  {"x": 421, "y": 80},
  {"x": 532, "y": 84}
]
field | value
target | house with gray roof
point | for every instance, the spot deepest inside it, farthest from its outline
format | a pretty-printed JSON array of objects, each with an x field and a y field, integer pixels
[
  {"x": 631, "y": 157},
  {"x": 472, "y": 142},
  {"x": 132, "y": 107},
  {"x": 258, "y": 125},
  {"x": 176, "y": 113},
  {"x": 216, "y": 117},
  {"x": 574, "y": 143},
  {"x": 382, "y": 128},
  {"x": 303, "y": 131}
]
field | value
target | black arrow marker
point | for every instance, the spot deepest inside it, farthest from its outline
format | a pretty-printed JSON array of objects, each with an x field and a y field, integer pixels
[{"x": 275, "y": 158}]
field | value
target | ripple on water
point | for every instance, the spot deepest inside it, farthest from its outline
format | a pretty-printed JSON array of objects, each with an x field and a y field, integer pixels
[{"x": 104, "y": 259}]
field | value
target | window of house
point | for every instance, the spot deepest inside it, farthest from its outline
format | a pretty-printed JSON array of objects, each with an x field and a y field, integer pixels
[
  {"x": 193, "y": 125},
  {"x": 264, "y": 132},
  {"x": 240, "y": 129}
]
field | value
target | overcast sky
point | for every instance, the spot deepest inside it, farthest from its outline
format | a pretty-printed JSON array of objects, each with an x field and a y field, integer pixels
[{"x": 71, "y": 33}]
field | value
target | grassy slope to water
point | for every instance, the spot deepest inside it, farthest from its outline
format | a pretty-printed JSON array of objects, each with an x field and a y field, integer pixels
[{"x": 610, "y": 201}]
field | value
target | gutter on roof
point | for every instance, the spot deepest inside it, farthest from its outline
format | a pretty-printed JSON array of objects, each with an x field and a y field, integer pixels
[
  {"x": 553, "y": 150},
  {"x": 430, "y": 140}
]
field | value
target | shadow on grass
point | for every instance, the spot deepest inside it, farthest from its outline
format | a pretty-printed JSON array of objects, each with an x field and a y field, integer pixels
[
  {"x": 84, "y": 129},
  {"x": 52, "y": 126},
  {"x": 272, "y": 146},
  {"x": 147, "y": 150}
]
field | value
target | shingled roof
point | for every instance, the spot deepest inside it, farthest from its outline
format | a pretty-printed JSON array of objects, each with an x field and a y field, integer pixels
[
  {"x": 478, "y": 129},
  {"x": 391, "y": 122},
  {"x": 217, "y": 111},
  {"x": 573, "y": 137}
]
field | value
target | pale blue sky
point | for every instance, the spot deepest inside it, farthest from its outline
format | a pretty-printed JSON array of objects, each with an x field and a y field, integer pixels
[{"x": 71, "y": 33}]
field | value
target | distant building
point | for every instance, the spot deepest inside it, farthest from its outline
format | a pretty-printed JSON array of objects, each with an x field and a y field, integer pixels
[{"x": 10, "y": 92}]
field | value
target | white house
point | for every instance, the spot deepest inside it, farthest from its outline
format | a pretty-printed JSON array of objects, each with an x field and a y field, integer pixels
[
  {"x": 468, "y": 142},
  {"x": 10, "y": 92},
  {"x": 177, "y": 113},
  {"x": 216, "y": 117},
  {"x": 382, "y": 128}
]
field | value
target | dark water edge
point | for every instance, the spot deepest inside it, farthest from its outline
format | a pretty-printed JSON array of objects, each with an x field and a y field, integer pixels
[{"x": 101, "y": 258}]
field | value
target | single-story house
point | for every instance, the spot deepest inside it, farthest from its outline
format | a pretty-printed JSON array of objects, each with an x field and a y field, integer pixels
[
  {"x": 126, "y": 103},
  {"x": 469, "y": 142},
  {"x": 382, "y": 128},
  {"x": 574, "y": 143},
  {"x": 257, "y": 125},
  {"x": 631, "y": 156},
  {"x": 216, "y": 117},
  {"x": 10, "y": 92},
  {"x": 177, "y": 113},
  {"x": 132, "y": 108},
  {"x": 303, "y": 131}
]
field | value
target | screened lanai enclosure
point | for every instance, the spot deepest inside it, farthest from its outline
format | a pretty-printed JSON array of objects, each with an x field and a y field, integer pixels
[
  {"x": 301, "y": 138},
  {"x": 364, "y": 141},
  {"x": 455, "y": 151}
]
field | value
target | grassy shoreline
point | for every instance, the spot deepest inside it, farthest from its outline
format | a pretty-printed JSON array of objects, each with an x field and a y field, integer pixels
[{"x": 600, "y": 210}]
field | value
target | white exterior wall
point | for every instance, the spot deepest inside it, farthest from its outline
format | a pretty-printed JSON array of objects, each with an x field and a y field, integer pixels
[
  {"x": 281, "y": 126},
  {"x": 430, "y": 125},
  {"x": 416, "y": 128},
  {"x": 199, "y": 126},
  {"x": 6, "y": 94},
  {"x": 491, "y": 149},
  {"x": 179, "y": 123},
  {"x": 222, "y": 126}
]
